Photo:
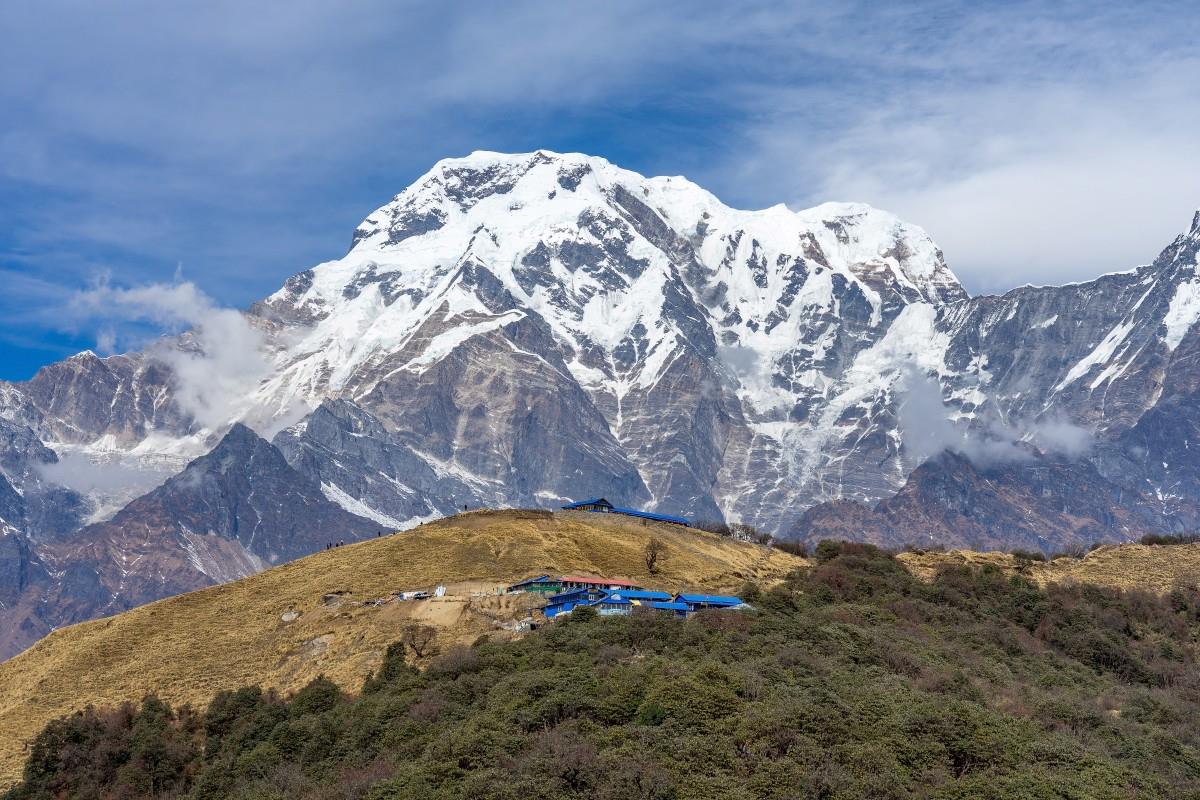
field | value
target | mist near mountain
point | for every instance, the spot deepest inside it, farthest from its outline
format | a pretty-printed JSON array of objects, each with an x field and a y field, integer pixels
[{"x": 528, "y": 329}]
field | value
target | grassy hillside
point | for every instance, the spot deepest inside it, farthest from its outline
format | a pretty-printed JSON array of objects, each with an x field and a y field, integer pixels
[
  {"x": 1157, "y": 568},
  {"x": 187, "y": 648},
  {"x": 851, "y": 679}
]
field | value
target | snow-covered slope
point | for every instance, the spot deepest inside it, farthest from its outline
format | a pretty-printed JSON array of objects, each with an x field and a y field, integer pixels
[
  {"x": 653, "y": 342},
  {"x": 522, "y": 329}
]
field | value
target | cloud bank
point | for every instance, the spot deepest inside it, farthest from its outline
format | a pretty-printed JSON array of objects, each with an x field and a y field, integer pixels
[
  {"x": 217, "y": 356},
  {"x": 927, "y": 428},
  {"x": 117, "y": 475},
  {"x": 1036, "y": 142}
]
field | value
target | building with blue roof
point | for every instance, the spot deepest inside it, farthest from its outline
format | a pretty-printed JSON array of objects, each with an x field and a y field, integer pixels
[
  {"x": 602, "y": 506},
  {"x": 641, "y": 595},
  {"x": 613, "y": 605},
  {"x": 542, "y": 584},
  {"x": 573, "y": 594},
  {"x": 594, "y": 504},
  {"x": 676, "y": 609},
  {"x": 700, "y": 602},
  {"x": 622, "y": 602},
  {"x": 566, "y": 602}
]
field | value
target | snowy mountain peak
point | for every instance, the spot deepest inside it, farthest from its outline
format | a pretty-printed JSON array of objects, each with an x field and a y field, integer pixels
[
  {"x": 1181, "y": 258},
  {"x": 621, "y": 270},
  {"x": 520, "y": 325},
  {"x": 527, "y": 195}
]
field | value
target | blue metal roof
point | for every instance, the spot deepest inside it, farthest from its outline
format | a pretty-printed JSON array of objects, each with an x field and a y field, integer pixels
[
  {"x": 565, "y": 597},
  {"x": 709, "y": 599},
  {"x": 595, "y": 501},
  {"x": 639, "y": 594},
  {"x": 611, "y": 600},
  {"x": 633, "y": 512},
  {"x": 538, "y": 579},
  {"x": 670, "y": 606},
  {"x": 563, "y": 608}
]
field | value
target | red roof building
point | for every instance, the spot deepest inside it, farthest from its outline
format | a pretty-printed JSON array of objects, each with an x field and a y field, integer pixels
[{"x": 595, "y": 582}]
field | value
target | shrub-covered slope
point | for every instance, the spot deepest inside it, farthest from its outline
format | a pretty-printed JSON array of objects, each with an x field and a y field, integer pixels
[
  {"x": 853, "y": 679},
  {"x": 334, "y": 611}
]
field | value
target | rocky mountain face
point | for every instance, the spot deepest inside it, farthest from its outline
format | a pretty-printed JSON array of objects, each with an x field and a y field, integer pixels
[
  {"x": 359, "y": 463},
  {"x": 228, "y": 514},
  {"x": 30, "y": 502},
  {"x": 551, "y": 326},
  {"x": 528, "y": 329},
  {"x": 1115, "y": 359},
  {"x": 1156, "y": 452},
  {"x": 1036, "y": 503}
]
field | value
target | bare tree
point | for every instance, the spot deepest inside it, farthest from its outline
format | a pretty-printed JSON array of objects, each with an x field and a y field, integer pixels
[
  {"x": 745, "y": 532},
  {"x": 418, "y": 638},
  {"x": 654, "y": 553}
]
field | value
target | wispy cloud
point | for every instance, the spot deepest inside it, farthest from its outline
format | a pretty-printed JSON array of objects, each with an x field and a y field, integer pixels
[
  {"x": 216, "y": 366},
  {"x": 1035, "y": 141},
  {"x": 928, "y": 428},
  {"x": 1036, "y": 144}
]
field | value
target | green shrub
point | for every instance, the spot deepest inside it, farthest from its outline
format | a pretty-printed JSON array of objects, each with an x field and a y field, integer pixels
[
  {"x": 1170, "y": 538},
  {"x": 319, "y": 696},
  {"x": 851, "y": 679}
]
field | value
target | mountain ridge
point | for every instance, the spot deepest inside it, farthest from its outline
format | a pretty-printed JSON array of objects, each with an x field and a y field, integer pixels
[
  {"x": 199, "y": 528},
  {"x": 523, "y": 330}
]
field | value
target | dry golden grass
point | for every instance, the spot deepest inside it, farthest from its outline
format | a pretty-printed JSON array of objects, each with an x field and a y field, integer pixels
[
  {"x": 1127, "y": 566},
  {"x": 187, "y": 648}
]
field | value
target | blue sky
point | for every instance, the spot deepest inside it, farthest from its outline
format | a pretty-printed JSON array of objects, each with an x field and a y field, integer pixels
[{"x": 235, "y": 144}]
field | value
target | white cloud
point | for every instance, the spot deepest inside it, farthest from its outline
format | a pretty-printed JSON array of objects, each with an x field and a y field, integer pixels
[
  {"x": 1035, "y": 145},
  {"x": 106, "y": 340},
  {"x": 1039, "y": 185},
  {"x": 113, "y": 475},
  {"x": 217, "y": 362},
  {"x": 926, "y": 429},
  {"x": 1036, "y": 142}
]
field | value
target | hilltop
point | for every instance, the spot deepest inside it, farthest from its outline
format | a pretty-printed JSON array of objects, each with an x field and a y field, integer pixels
[
  {"x": 334, "y": 612},
  {"x": 851, "y": 678},
  {"x": 189, "y": 647}
]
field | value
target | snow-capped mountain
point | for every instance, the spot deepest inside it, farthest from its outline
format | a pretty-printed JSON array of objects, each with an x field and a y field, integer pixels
[
  {"x": 542, "y": 326},
  {"x": 546, "y": 326},
  {"x": 526, "y": 329}
]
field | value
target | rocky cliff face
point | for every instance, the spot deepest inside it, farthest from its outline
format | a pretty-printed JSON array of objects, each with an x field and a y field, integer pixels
[
  {"x": 84, "y": 398},
  {"x": 360, "y": 463},
  {"x": 30, "y": 501},
  {"x": 1037, "y": 503},
  {"x": 527, "y": 329},
  {"x": 228, "y": 514},
  {"x": 22, "y": 578},
  {"x": 552, "y": 326}
]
